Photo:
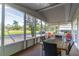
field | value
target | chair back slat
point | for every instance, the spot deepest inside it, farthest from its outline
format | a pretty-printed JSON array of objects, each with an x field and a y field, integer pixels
[
  {"x": 69, "y": 47},
  {"x": 50, "y": 49}
]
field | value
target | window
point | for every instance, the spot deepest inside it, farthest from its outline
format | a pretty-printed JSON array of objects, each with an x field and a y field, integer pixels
[
  {"x": 75, "y": 29},
  {"x": 47, "y": 27},
  {"x": 14, "y": 21},
  {"x": 75, "y": 32},
  {"x": 64, "y": 28},
  {"x": 0, "y": 22},
  {"x": 52, "y": 28},
  {"x": 30, "y": 26},
  {"x": 38, "y": 27},
  {"x": 43, "y": 27}
]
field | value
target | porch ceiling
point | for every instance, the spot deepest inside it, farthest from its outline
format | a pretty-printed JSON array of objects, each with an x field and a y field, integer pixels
[{"x": 56, "y": 13}]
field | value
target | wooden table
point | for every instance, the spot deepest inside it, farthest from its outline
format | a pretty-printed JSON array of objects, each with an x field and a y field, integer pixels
[{"x": 60, "y": 44}]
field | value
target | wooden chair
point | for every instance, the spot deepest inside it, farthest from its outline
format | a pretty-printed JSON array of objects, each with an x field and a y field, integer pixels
[{"x": 69, "y": 48}]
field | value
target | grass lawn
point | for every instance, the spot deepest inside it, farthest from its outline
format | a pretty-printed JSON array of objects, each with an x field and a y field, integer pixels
[
  {"x": 11, "y": 32},
  {"x": 16, "y": 32}
]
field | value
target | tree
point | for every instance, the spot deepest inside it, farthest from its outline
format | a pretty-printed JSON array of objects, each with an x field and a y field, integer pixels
[
  {"x": 8, "y": 27},
  {"x": 38, "y": 27},
  {"x": 32, "y": 26},
  {"x": 16, "y": 26}
]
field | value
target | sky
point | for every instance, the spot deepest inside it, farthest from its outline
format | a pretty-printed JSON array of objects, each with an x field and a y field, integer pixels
[{"x": 12, "y": 14}]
